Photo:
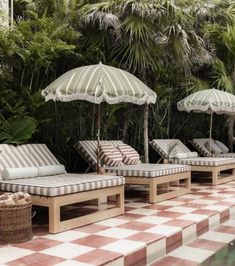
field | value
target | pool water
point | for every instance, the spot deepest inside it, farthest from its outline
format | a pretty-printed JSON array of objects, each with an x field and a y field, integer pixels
[{"x": 225, "y": 256}]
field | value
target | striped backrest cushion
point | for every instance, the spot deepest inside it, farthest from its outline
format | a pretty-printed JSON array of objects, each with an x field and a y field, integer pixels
[
  {"x": 199, "y": 144},
  {"x": 129, "y": 154},
  {"x": 88, "y": 149},
  {"x": 26, "y": 155},
  {"x": 168, "y": 147},
  {"x": 110, "y": 155}
]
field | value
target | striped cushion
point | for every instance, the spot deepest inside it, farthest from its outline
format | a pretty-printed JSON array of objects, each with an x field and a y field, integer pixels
[
  {"x": 199, "y": 144},
  {"x": 52, "y": 186},
  {"x": 88, "y": 149},
  {"x": 204, "y": 161},
  {"x": 168, "y": 147},
  {"x": 130, "y": 155},
  {"x": 27, "y": 155},
  {"x": 148, "y": 170},
  {"x": 110, "y": 155}
]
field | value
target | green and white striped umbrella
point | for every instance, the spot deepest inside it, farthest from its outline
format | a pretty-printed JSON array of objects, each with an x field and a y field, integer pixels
[
  {"x": 99, "y": 83},
  {"x": 209, "y": 101}
]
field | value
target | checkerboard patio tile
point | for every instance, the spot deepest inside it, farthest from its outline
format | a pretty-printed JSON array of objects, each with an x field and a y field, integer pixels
[{"x": 144, "y": 234}]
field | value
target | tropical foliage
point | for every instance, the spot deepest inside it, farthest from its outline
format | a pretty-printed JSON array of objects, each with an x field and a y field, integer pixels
[{"x": 175, "y": 47}]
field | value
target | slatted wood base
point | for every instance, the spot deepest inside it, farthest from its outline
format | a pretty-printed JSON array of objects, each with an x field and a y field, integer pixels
[
  {"x": 217, "y": 177},
  {"x": 55, "y": 203},
  {"x": 181, "y": 183}
]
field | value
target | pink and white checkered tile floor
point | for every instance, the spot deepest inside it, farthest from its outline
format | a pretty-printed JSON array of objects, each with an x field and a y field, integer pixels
[{"x": 182, "y": 231}]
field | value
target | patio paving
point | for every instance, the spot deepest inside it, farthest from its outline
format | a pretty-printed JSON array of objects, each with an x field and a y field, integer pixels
[{"x": 145, "y": 233}]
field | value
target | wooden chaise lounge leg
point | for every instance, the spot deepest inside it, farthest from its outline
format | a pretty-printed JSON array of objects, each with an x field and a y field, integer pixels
[
  {"x": 215, "y": 176},
  {"x": 152, "y": 190},
  {"x": 54, "y": 215}
]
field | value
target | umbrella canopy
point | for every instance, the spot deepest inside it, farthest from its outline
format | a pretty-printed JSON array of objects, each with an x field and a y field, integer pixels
[
  {"x": 100, "y": 83},
  {"x": 209, "y": 101}
]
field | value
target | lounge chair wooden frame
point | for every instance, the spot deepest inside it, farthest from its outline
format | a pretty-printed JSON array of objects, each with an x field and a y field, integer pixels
[
  {"x": 217, "y": 177},
  {"x": 55, "y": 203},
  {"x": 165, "y": 181}
]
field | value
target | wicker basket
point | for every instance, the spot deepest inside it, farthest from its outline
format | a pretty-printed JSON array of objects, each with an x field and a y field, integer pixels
[{"x": 16, "y": 223}]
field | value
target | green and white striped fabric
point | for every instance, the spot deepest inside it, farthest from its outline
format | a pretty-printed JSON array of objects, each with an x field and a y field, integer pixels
[
  {"x": 99, "y": 83},
  {"x": 208, "y": 101}
]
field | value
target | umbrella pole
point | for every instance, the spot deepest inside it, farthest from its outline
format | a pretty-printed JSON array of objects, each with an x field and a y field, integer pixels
[
  {"x": 146, "y": 145},
  {"x": 211, "y": 123},
  {"x": 98, "y": 140}
]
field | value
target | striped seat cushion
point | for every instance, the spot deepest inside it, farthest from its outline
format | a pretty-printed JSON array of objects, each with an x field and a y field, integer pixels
[
  {"x": 58, "y": 185},
  {"x": 129, "y": 154},
  {"x": 148, "y": 170},
  {"x": 204, "y": 161},
  {"x": 27, "y": 155},
  {"x": 199, "y": 144},
  {"x": 167, "y": 148},
  {"x": 88, "y": 149},
  {"x": 110, "y": 155}
]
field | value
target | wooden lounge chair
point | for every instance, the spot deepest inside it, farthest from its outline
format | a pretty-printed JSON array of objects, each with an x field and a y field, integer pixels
[
  {"x": 56, "y": 191},
  {"x": 216, "y": 166},
  {"x": 175, "y": 179},
  {"x": 199, "y": 145}
]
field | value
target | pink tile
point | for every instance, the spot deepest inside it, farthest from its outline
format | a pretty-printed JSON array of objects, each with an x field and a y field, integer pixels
[
  {"x": 36, "y": 259},
  {"x": 173, "y": 261},
  {"x": 98, "y": 257},
  {"x": 137, "y": 258},
  {"x": 180, "y": 223},
  {"x": 145, "y": 237},
  {"x": 157, "y": 207},
  {"x": 138, "y": 226},
  {"x": 202, "y": 227},
  {"x": 206, "y": 244},
  {"x": 226, "y": 229},
  {"x": 205, "y": 212},
  {"x": 38, "y": 244},
  {"x": 224, "y": 216},
  {"x": 131, "y": 216},
  {"x": 174, "y": 241},
  {"x": 168, "y": 214},
  {"x": 94, "y": 241}
]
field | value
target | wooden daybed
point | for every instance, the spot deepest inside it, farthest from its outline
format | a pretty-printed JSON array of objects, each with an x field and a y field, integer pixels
[
  {"x": 57, "y": 191},
  {"x": 218, "y": 167},
  {"x": 164, "y": 181}
]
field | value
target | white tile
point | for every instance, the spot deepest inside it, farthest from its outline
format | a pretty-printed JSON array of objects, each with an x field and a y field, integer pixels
[
  {"x": 165, "y": 230},
  {"x": 230, "y": 223},
  {"x": 171, "y": 203},
  {"x": 221, "y": 195},
  {"x": 117, "y": 232},
  {"x": 112, "y": 222},
  {"x": 66, "y": 236},
  {"x": 190, "y": 253},
  {"x": 189, "y": 233},
  {"x": 203, "y": 201},
  {"x": 214, "y": 221},
  {"x": 73, "y": 263},
  {"x": 124, "y": 246},
  {"x": 232, "y": 212},
  {"x": 137, "y": 204},
  {"x": 156, "y": 250},
  {"x": 8, "y": 253},
  {"x": 118, "y": 262},
  {"x": 217, "y": 207},
  {"x": 142, "y": 211},
  {"x": 217, "y": 236},
  {"x": 193, "y": 217},
  {"x": 153, "y": 220},
  {"x": 181, "y": 209},
  {"x": 67, "y": 250},
  {"x": 191, "y": 196},
  {"x": 232, "y": 200}
]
